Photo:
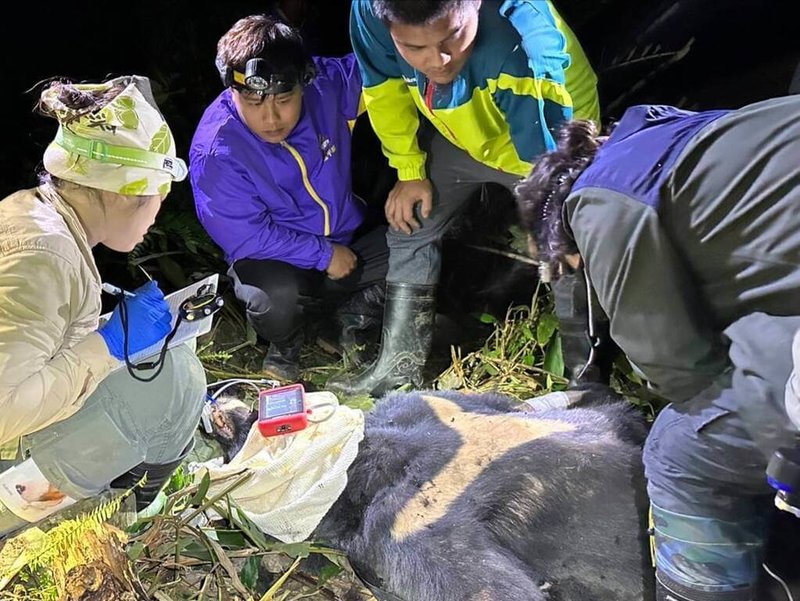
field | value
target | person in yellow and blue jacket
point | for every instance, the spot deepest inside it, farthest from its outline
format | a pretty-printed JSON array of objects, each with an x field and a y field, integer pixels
[{"x": 460, "y": 93}]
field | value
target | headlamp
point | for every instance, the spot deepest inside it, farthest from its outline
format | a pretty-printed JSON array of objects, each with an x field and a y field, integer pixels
[{"x": 259, "y": 78}]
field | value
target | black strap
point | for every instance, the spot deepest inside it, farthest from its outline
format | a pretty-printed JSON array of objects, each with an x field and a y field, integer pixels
[{"x": 158, "y": 364}]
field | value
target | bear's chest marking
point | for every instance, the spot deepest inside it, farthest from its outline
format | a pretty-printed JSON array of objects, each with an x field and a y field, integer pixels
[{"x": 484, "y": 438}]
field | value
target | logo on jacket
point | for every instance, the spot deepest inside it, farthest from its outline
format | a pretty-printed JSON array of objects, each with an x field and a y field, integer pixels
[{"x": 327, "y": 147}]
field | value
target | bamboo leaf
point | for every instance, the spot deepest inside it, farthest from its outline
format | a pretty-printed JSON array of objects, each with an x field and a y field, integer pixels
[
  {"x": 135, "y": 550},
  {"x": 299, "y": 550},
  {"x": 548, "y": 323},
  {"x": 228, "y": 566},
  {"x": 202, "y": 489},
  {"x": 249, "y": 572},
  {"x": 554, "y": 358}
]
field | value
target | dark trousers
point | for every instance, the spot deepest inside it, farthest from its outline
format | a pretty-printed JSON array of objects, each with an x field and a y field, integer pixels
[
  {"x": 705, "y": 460},
  {"x": 416, "y": 258},
  {"x": 276, "y": 294}
]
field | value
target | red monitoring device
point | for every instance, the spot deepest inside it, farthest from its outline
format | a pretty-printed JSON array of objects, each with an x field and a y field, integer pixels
[{"x": 282, "y": 410}]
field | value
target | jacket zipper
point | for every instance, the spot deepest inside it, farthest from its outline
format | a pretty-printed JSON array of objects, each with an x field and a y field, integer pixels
[
  {"x": 430, "y": 90},
  {"x": 309, "y": 187}
]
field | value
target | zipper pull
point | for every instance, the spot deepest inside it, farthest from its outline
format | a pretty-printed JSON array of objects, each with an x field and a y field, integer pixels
[{"x": 430, "y": 88}]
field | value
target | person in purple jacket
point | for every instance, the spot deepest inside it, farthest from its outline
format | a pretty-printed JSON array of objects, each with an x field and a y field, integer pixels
[{"x": 270, "y": 172}]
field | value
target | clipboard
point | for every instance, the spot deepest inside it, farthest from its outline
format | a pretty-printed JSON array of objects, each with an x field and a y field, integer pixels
[{"x": 187, "y": 330}]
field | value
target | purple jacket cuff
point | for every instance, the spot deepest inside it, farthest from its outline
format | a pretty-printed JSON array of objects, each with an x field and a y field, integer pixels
[{"x": 325, "y": 256}]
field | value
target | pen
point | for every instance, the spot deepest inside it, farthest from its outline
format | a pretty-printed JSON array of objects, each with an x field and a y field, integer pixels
[
  {"x": 147, "y": 275},
  {"x": 115, "y": 290}
]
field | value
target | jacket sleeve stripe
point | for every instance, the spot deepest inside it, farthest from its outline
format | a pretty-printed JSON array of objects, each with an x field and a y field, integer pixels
[
  {"x": 542, "y": 89},
  {"x": 393, "y": 113}
]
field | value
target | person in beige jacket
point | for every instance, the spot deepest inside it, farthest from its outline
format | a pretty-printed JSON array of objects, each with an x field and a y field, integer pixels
[{"x": 71, "y": 423}]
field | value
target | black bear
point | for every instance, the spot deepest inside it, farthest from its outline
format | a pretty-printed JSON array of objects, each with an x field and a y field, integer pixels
[{"x": 462, "y": 497}]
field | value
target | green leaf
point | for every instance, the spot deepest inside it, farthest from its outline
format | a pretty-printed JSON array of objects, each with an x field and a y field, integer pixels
[
  {"x": 161, "y": 141},
  {"x": 126, "y": 114},
  {"x": 202, "y": 489},
  {"x": 231, "y": 539},
  {"x": 526, "y": 331},
  {"x": 548, "y": 324},
  {"x": 125, "y": 102},
  {"x": 134, "y": 188},
  {"x": 328, "y": 572},
  {"x": 487, "y": 318},
  {"x": 179, "y": 480},
  {"x": 553, "y": 358},
  {"x": 197, "y": 550},
  {"x": 364, "y": 402},
  {"x": 251, "y": 334},
  {"x": 135, "y": 550},
  {"x": 250, "y": 530},
  {"x": 249, "y": 572},
  {"x": 294, "y": 549}
]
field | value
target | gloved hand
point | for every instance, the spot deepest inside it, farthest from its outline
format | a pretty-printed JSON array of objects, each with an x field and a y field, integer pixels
[
  {"x": 148, "y": 321},
  {"x": 582, "y": 395},
  {"x": 551, "y": 400}
]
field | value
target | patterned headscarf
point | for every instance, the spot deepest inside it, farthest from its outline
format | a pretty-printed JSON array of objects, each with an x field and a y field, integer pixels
[{"x": 124, "y": 147}]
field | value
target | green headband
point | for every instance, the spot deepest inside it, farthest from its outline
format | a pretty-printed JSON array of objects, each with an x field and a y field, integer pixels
[{"x": 98, "y": 150}]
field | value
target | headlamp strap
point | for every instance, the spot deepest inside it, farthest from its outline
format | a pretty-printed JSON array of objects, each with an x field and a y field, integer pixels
[{"x": 101, "y": 151}]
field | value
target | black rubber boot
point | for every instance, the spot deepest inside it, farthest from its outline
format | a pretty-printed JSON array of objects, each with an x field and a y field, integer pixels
[
  {"x": 280, "y": 362},
  {"x": 357, "y": 317},
  {"x": 407, "y": 334},
  {"x": 157, "y": 476}
]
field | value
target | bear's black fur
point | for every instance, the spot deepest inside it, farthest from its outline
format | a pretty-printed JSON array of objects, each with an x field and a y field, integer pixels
[{"x": 556, "y": 517}]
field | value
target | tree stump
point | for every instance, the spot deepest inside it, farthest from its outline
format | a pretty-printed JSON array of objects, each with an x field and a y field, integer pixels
[{"x": 95, "y": 582}]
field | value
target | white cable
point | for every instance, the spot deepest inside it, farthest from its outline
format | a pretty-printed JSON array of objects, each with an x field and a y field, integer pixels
[
  {"x": 324, "y": 400},
  {"x": 234, "y": 383},
  {"x": 272, "y": 383},
  {"x": 205, "y": 416},
  {"x": 778, "y": 578}
]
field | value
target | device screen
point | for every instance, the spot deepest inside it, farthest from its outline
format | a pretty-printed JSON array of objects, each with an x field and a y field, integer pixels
[{"x": 285, "y": 402}]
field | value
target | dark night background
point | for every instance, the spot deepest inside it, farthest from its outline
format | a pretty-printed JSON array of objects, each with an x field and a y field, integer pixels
[
  {"x": 739, "y": 51},
  {"x": 744, "y": 50}
]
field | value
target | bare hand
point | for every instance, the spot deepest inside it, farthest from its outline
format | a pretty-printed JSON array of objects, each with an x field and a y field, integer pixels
[
  {"x": 343, "y": 262},
  {"x": 402, "y": 200}
]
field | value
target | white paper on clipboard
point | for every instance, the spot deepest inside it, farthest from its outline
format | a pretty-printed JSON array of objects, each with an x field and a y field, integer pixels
[{"x": 187, "y": 330}]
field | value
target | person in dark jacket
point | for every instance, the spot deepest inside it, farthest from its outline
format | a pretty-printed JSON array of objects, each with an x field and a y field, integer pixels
[
  {"x": 688, "y": 229},
  {"x": 270, "y": 171}
]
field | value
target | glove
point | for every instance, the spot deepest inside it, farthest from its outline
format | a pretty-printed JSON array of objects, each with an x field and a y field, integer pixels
[
  {"x": 551, "y": 400},
  {"x": 148, "y": 321},
  {"x": 582, "y": 395}
]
